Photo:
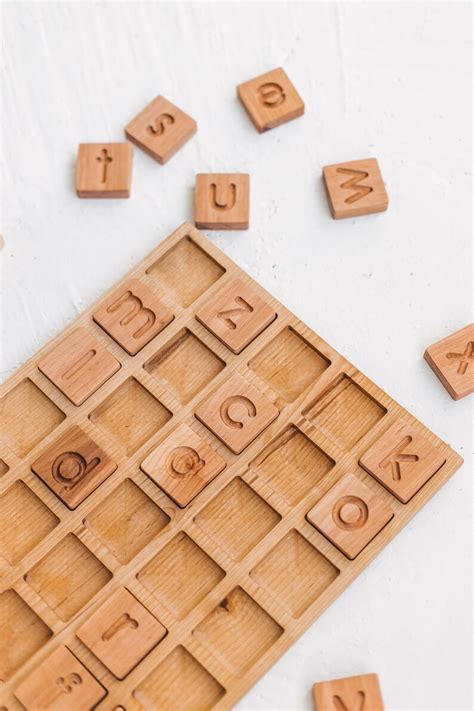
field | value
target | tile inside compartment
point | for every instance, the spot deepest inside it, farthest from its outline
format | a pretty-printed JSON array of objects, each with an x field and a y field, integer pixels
[
  {"x": 27, "y": 417},
  {"x": 344, "y": 412},
  {"x": 289, "y": 364},
  {"x": 184, "y": 365},
  {"x": 186, "y": 271}
]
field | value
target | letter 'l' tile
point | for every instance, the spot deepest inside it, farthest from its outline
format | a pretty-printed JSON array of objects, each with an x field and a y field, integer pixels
[
  {"x": 121, "y": 632},
  {"x": 132, "y": 315},
  {"x": 270, "y": 100},
  {"x": 61, "y": 683},
  {"x": 402, "y": 460},
  {"x": 236, "y": 315},
  {"x": 355, "y": 188},
  {"x": 350, "y": 515},
  {"x": 78, "y": 365},
  {"x": 222, "y": 201},
  {"x": 237, "y": 413},
  {"x": 354, "y": 693}
]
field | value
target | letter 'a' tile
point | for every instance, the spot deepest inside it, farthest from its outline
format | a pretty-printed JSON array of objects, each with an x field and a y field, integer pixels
[
  {"x": 270, "y": 100},
  {"x": 222, "y": 201},
  {"x": 237, "y": 413},
  {"x": 132, "y": 315},
  {"x": 78, "y": 365},
  {"x": 354, "y": 693},
  {"x": 355, "y": 188},
  {"x": 236, "y": 315}
]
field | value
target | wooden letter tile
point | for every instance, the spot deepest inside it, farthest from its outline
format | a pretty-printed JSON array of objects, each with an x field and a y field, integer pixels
[
  {"x": 452, "y": 359},
  {"x": 104, "y": 170},
  {"x": 354, "y": 693},
  {"x": 183, "y": 465},
  {"x": 236, "y": 315},
  {"x": 78, "y": 365},
  {"x": 270, "y": 100},
  {"x": 402, "y": 460},
  {"x": 350, "y": 515},
  {"x": 161, "y": 129},
  {"x": 60, "y": 683},
  {"x": 121, "y": 632},
  {"x": 132, "y": 316},
  {"x": 73, "y": 466},
  {"x": 237, "y": 413},
  {"x": 222, "y": 201},
  {"x": 355, "y": 188}
]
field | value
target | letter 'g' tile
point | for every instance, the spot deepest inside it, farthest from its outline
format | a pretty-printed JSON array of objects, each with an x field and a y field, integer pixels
[
  {"x": 354, "y": 693},
  {"x": 270, "y": 100},
  {"x": 350, "y": 515},
  {"x": 78, "y": 365},
  {"x": 132, "y": 315},
  {"x": 237, "y": 413},
  {"x": 236, "y": 315},
  {"x": 61, "y": 683}
]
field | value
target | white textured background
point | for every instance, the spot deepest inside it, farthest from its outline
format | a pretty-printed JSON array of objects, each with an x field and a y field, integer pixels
[{"x": 385, "y": 80}]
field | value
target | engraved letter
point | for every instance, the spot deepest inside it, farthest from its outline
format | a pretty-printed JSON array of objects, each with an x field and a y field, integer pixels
[
  {"x": 231, "y": 316},
  {"x": 135, "y": 309},
  {"x": 160, "y": 124},
  {"x": 232, "y": 402},
  {"x": 70, "y": 468},
  {"x": 271, "y": 94}
]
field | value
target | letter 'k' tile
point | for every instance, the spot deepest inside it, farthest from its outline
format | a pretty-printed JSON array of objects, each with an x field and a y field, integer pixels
[
  {"x": 237, "y": 413},
  {"x": 132, "y": 315}
]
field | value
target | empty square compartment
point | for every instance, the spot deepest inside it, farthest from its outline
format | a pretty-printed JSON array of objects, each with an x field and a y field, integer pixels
[
  {"x": 130, "y": 415},
  {"x": 294, "y": 573},
  {"x": 180, "y": 575},
  {"x": 289, "y": 364},
  {"x": 184, "y": 365},
  {"x": 68, "y": 577},
  {"x": 237, "y": 519},
  {"x": 344, "y": 412},
  {"x": 27, "y": 417},
  {"x": 22, "y": 633},
  {"x": 126, "y": 521},
  {"x": 238, "y": 632},
  {"x": 179, "y": 682},
  {"x": 186, "y": 271},
  {"x": 292, "y": 465},
  {"x": 26, "y": 520}
]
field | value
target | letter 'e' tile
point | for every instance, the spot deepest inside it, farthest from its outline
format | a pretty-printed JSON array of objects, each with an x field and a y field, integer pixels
[
  {"x": 132, "y": 315},
  {"x": 121, "y": 632},
  {"x": 350, "y": 515},
  {"x": 237, "y": 413},
  {"x": 402, "y": 460},
  {"x": 355, "y": 188},
  {"x": 78, "y": 365},
  {"x": 270, "y": 100},
  {"x": 236, "y": 315},
  {"x": 354, "y": 693}
]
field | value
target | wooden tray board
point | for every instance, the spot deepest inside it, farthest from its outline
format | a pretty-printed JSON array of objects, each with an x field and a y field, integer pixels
[{"x": 239, "y": 573}]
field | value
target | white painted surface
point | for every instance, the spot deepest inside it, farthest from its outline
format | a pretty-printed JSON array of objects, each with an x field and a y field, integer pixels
[{"x": 385, "y": 80}]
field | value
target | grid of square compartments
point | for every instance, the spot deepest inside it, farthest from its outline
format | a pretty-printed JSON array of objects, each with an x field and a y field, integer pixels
[{"x": 188, "y": 477}]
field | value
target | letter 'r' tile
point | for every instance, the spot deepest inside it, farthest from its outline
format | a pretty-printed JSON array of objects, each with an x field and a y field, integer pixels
[
  {"x": 237, "y": 413},
  {"x": 350, "y": 515},
  {"x": 355, "y": 188},
  {"x": 132, "y": 315},
  {"x": 354, "y": 693},
  {"x": 270, "y": 100},
  {"x": 236, "y": 315},
  {"x": 402, "y": 460},
  {"x": 78, "y": 365}
]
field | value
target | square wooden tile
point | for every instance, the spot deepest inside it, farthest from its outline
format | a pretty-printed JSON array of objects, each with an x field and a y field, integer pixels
[
  {"x": 355, "y": 188},
  {"x": 73, "y": 466},
  {"x": 121, "y": 632},
  {"x": 132, "y": 315},
  {"x": 350, "y": 515},
  {"x": 354, "y": 693},
  {"x": 452, "y": 359},
  {"x": 221, "y": 201},
  {"x": 237, "y": 413},
  {"x": 60, "y": 683},
  {"x": 403, "y": 460},
  {"x": 78, "y": 365},
  {"x": 236, "y": 315},
  {"x": 183, "y": 464},
  {"x": 270, "y": 99},
  {"x": 104, "y": 170},
  {"x": 161, "y": 129}
]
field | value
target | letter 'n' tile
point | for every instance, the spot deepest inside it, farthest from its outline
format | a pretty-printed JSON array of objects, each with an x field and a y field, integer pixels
[
  {"x": 354, "y": 693},
  {"x": 60, "y": 682},
  {"x": 132, "y": 316},
  {"x": 350, "y": 515},
  {"x": 78, "y": 365}
]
